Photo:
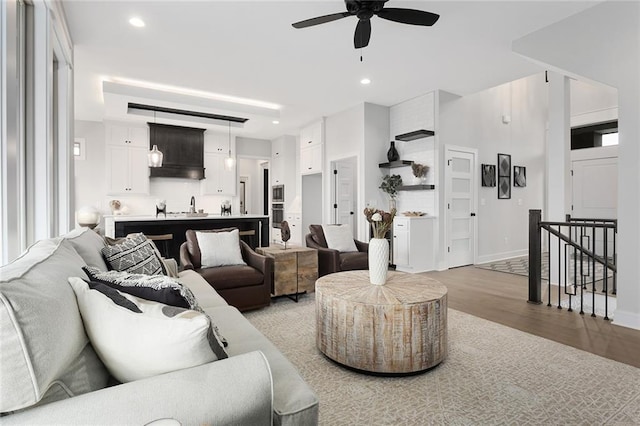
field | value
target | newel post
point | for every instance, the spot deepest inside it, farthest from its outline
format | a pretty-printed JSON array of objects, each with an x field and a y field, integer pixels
[{"x": 535, "y": 257}]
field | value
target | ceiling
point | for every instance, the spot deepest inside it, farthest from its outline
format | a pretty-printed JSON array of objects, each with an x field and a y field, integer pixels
[{"x": 248, "y": 49}]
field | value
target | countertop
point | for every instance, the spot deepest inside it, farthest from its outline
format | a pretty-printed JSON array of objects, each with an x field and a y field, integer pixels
[{"x": 178, "y": 216}]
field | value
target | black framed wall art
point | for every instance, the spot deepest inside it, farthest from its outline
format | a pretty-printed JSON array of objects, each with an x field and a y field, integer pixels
[
  {"x": 504, "y": 176},
  {"x": 519, "y": 176},
  {"x": 488, "y": 175}
]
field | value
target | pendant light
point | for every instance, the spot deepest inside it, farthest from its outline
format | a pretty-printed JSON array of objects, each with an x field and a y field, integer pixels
[
  {"x": 229, "y": 162},
  {"x": 155, "y": 156}
]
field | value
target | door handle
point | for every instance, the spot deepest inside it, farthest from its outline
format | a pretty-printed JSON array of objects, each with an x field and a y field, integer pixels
[
  {"x": 473, "y": 214},
  {"x": 350, "y": 212}
]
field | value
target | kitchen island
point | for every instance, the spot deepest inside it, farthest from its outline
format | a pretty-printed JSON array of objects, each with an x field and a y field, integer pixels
[{"x": 254, "y": 229}]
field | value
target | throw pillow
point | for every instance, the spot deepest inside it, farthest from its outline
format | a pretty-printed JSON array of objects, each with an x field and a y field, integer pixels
[
  {"x": 137, "y": 255},
  {"x": 219, "y": 248},
  {"x": 339, "y": 237},
  {"x": 88, "y": 244},
  {"x": 157, "y": 288},
  {"x": 157, "y": 340}
]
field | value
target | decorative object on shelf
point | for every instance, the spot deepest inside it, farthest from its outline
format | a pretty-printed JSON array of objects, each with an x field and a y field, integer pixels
[
  {"x": 504, "y": 176},
  {"x": 519, "y": 176},
  {"x": 88, "y": 216},
  {"x": 392, "y": 153},
  {"x": 155, "y": 157},
  {"x": 285, "y": 233},
  {"x": 117, "y": 208},
  {"x": 229, "y": 162},
  {"x": 488, "y": 175},
  {"x": 381, "y": 222},
  {"x": 161, "y": 207},
  {"x": 413, "y": 214},
  {"x": 225, "y": 208},
  {"x": 419, "y": 172},
  {"x": 390, "y": 185}
]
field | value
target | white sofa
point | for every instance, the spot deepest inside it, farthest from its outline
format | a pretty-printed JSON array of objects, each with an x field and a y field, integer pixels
[{"x": 50, "y": 374}]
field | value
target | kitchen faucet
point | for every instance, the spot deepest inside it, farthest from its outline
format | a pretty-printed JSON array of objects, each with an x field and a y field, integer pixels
[{"x": 192, "y": 208}]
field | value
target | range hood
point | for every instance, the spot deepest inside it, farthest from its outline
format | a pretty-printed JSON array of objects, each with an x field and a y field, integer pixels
[{"x": 183, "y": 150}]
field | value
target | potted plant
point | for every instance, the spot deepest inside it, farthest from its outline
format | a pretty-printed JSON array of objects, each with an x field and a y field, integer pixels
[{"x": 390, "y": 185}]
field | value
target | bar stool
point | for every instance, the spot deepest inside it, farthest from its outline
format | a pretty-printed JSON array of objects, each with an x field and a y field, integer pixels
[
  {"x": 250, "y": 234},
  {"x": 164, "y": 239}
]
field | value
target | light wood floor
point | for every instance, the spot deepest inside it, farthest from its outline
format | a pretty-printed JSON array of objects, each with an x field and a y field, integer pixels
[{"x": 502, "y": 298}]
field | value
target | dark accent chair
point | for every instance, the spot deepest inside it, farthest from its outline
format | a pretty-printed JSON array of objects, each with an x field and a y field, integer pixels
[
  {"x": 329, "y": 260},
  {"x": 243, "y": 286}
]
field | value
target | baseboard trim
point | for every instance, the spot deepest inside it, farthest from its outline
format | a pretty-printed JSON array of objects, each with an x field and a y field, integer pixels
[
  {"x": 627, "y": 319},
  {"x": 501, "y": 256}
]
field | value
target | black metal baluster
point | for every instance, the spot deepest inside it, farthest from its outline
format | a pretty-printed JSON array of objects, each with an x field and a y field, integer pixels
[
  {"x": 605, "y": 271},
  {"x": 593, "y": 269},
  {"x": 549, "y": 268},
  {"x": 559, "y": 271}
]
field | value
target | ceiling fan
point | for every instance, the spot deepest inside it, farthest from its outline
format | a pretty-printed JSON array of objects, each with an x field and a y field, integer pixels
[{"x": 364, "y": 10}]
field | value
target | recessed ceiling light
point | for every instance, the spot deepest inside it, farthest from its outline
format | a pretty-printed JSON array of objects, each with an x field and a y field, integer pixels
[
  {"x": 136, "y": 22},
  {"x": 275, "y": 122},
  {"x": 365, "y": 81}
]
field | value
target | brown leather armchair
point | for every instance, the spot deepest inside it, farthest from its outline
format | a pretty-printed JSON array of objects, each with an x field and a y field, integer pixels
[
  {"x": 243, "y": 286},
  {"x": 329, "y": 260}
]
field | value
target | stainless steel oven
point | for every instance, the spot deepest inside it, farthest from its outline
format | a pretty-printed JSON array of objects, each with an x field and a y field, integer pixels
[
  {"x": 277, "y": 214},
  {"x": 277, "y": 194}
]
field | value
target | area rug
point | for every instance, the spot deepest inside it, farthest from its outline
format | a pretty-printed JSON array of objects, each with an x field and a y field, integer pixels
[
  {"x": 520, "y": 266},
  {"x": 493, "y": 375}
]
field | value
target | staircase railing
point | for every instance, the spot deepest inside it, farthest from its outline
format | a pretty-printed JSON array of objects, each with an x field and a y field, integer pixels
[{"x": 585, "y": 244}]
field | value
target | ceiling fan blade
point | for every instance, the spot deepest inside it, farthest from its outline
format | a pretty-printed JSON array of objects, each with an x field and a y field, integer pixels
[
  {"x": 320, "y": 20},
  {"x": 409, "y": 16},
  {"x": 363, "y": 34}
]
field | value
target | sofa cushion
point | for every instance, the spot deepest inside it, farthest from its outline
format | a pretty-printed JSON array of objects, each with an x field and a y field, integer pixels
[
  {"x": 354, "y": 261},
  {"x": 88, "y": 244},
  {"x": 205, "y": 294},
  {"x": 136, "y": 254},
  {"x": 294, "y": 403},
  {"x": 41, "y": 332},
  {"x": 219, "y": 248},
  {"x": 154, "y": 339},
  {"x": 225, "y": 277},
  {"x": 339, "y": 237}
]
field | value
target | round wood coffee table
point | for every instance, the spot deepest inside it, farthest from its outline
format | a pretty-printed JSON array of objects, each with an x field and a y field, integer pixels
[{"x": 399, "y": 327}]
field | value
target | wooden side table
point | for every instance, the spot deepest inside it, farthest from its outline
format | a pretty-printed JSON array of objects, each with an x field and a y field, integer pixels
[
  {"x": 295, "y": 269},
  {"x": 396, "y": 328}
]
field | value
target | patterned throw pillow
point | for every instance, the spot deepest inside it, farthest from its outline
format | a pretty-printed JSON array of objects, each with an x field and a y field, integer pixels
[
  {"x": 152, "y": 339},
  {"x": 136, "y": 254},
  {"x": 158, "y": 288}
]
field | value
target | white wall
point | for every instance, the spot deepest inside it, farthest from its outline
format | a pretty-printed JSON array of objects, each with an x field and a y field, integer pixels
[
  {"x": 251, "y": 147},
  {"x": 592, "y": 103},
  {"x": 476, "y": 121}
]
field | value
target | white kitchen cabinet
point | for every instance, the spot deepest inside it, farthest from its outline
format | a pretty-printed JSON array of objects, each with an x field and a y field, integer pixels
[
  {"x": 276, "y": 236},
  {"x": 127, "y": 163},
  {"x": 311, "y": 135},
  {"x": 218, "y": 180},
  {"x": 311, "y": 160},
  {"x": 413, "y": 243},
  {"x": 283, "y": 164},
  {"x": 127, "y": 170},
  {"x": 123, "y": 135},
  {"x": 217, "y": 143}
]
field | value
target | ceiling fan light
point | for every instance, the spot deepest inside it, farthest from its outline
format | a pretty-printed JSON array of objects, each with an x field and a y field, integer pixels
[{"x": 155, "y": 157}]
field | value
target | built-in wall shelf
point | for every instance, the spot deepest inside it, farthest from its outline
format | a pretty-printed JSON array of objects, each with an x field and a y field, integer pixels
[
  {"x": 417, "y": 134},
  {"x": 394, "y": 164},
  {"x": 415, "y": 187}
]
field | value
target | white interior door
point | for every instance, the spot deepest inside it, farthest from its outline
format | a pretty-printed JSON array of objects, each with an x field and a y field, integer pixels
[
  {"x": 460, "y": 181},
  {"x": 595, "y": 195},
  {"x": 345, "y": 193}
]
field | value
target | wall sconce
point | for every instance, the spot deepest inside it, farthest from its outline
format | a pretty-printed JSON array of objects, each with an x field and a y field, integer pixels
[{"x": 229, "y": 162}]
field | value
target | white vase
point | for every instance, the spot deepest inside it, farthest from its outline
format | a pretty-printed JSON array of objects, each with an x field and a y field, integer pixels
[{"x": 378, "y": 260}]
